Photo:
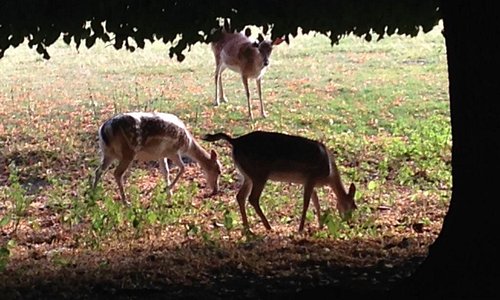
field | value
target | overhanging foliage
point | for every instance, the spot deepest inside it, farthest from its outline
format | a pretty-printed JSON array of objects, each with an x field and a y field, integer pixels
[{"x": 129, "y": 23}]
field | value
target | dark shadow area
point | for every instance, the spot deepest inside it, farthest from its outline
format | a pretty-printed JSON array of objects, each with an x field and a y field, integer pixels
[
  {"x": 29, "y": 168},
  {"x": 200, "y": 271}
]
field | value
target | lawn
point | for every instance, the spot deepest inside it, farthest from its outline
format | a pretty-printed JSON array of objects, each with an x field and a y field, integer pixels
[{"x": 381, "y": 107}]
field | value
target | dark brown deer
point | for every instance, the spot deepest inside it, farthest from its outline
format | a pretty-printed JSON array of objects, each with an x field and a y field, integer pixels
[
  {"x": 152, "y": 136},
  {"x": 260, "y": 156},
  {"x": 250, "y": 59}
]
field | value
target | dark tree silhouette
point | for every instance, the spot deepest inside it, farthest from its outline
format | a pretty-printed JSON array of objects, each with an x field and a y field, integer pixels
[
  {"x": 128, "y": 23},
  {"x": 461, "y": 263}
]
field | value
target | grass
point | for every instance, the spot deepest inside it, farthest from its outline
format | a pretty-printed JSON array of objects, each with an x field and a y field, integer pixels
[{"x": 382, "y": 107}]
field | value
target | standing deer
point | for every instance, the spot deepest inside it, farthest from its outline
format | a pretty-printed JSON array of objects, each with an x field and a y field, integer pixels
[
  {"x": 260, "y": 156},
  {"x": 152, "y": 136},
  {"x": 250, "y": 59}
]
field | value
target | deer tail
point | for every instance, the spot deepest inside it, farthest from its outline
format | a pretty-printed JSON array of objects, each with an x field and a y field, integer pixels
[
  {"x": 106, "y": 133},
  {"x": 216, "y": 137},
  {"x": 119, "y": 126}
]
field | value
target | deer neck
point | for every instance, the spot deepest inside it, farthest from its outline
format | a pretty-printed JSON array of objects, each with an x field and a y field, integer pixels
[
  {"x": 335, "y": 181},
  {"x": 196, "y": 152}
]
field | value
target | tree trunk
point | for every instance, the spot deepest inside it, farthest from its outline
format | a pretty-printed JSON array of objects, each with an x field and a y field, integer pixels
[{"x": 461, "y": 261}]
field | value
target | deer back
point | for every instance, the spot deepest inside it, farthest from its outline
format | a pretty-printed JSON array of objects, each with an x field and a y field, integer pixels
[
  {"x": 148, "y": 136},
  {"x": 281, "y": 157}
]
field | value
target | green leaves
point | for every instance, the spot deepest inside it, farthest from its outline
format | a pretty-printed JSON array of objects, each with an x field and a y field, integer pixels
[
  {"x": 332, "y": 224},
  {"x": 228, "y": 220},
  {"x": 19, "y": 200},
  {"x": 5, "y": 220},
  {"x": 137, "y": 20},
  {"x": 152, "y": 217},
  {"x": 4, "y": 257}
]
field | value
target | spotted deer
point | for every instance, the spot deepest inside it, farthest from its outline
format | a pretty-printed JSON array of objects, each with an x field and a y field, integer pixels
[
  {"x": 261, "y": 156},
  {"x": 250, "y": 59},
  {"x": 152, "y": 136}
]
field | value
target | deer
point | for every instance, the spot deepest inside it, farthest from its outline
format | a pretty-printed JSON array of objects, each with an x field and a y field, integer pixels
[
  {"x": 148, "y": 136},
  {"x": 260, "y": 156},
  {"x": 237, "y": 52}
]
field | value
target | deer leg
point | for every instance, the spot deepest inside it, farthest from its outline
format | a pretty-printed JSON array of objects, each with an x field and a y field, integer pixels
[
  {"x": 254, "y": 200},
  {"x": 178, "y": 161},
  {"x": 241, "y": 197},
  {"x": 308, "y": 190},
  {"x": 259, "y": 90},
  {"x": 316, "y": 206},
  {"x": 217, "y": 75},
  {"x": 166, "y": 173},
  {"x": 105, "y": 162},
  {"x": 119, "y": 171},
  {"x": 247, "y": 92},
  {"x": 222, "y": 97},
  {"x": 219, "y": 92}
]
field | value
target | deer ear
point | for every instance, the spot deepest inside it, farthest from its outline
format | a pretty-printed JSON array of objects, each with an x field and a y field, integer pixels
[
  {"x": 278, "y": 41},
  {"x": 213, "y": 155},
  {"x": 248, "y": 32},
  {"x": 227, "y": 26},
  {"x": 352, "y": 190}
]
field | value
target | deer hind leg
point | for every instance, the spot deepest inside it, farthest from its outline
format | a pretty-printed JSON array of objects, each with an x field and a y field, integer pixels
[
  {"x": 247, "y": 92},
  {"x": 241, "y": 197},
  {"x": 219, "y": 91},
  {"x": 259, "y": 91},
  {"x": 105, "y": 162},
  {"x": 222, "y": 97},
  {"x": 308, "y": 191},
  {"x": 119, "y": 171},
  {"x": 257, "y": 188}
]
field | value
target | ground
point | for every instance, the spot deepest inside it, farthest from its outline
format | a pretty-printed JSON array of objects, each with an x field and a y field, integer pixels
[
  {"x": 170, "y": 262},
  {"x": 151, "y": 280}
]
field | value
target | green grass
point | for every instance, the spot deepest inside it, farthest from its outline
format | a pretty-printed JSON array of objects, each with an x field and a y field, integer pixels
[{"x": 382, "y": 107}]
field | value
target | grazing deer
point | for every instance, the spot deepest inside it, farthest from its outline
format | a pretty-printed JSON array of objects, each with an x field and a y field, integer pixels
[
  {"x": 260, "y": 156},
  {"x": 250, "y": 59},
  {"x": 152, "y": 136}
]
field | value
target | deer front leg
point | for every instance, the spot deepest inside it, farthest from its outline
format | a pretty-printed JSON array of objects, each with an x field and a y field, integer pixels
[
  {"x": 247, "y": 92},
  {"x": 178, "y": 161},
  {"x": 166, "y": 175},
  {"x": 259, "y": 91},
  {"x": 308, "y": 190},
  {"x": 316, "y": 206}
]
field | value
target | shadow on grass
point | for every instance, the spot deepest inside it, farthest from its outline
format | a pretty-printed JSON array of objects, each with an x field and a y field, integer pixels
[
  {"x": 29, "y": 168},
  {"x": 198, "y": 270}
]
